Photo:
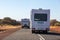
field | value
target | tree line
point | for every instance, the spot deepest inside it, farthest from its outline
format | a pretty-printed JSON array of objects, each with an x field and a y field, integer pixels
[
  {"x": 9, "y": 21},
  {"x": 54, "y": 23}
]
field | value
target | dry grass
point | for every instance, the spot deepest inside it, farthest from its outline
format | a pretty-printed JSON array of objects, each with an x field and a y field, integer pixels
[
  {"x": 55, "y": 29},
  {"x": 8, "y": 27}
]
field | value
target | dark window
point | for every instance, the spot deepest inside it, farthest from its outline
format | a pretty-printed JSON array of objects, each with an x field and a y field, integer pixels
[{"x": 40, "y": 17}]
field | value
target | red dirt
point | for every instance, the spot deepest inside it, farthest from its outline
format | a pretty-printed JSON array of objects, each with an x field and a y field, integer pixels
[
  {"x": 8, "y": 32},
  {"x": 55, "y": 29}
]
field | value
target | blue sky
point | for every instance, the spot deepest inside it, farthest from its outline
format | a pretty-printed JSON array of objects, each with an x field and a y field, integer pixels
[{"x": 18, "y": 9}]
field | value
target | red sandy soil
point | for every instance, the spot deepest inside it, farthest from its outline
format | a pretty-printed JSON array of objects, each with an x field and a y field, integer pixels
[
  {"x": 8, "y": 32},
  {"x": 55, "y": 29}
]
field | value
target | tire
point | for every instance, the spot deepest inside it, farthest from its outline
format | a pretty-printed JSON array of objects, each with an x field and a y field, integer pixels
[
  {"x": 27, "y": 26},
  {"x": 33, "y": 31},
  {"x": 45, "y": 31}
]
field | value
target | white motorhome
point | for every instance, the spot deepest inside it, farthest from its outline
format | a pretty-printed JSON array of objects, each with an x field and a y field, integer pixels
[
  {"x": 40, "y": 20},
  {"x": 25, "y": 23}
]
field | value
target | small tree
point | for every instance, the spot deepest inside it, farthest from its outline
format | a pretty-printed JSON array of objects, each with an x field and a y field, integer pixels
[
  {"x": 57, "y": 24},
  {"x": 52, "y": 22},
  {"x": 7, "y": 18}
]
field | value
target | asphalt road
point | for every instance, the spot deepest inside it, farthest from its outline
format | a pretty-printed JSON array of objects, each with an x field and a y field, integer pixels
[
  {"x": 50, "y": 36},
  {"x": 25, "y": 34}
]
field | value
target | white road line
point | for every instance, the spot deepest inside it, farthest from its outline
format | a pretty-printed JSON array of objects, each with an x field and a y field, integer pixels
[{"x": 41, "y": 38}]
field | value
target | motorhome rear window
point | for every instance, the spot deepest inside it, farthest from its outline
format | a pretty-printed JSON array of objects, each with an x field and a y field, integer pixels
[{"x": 40, "y": 17}]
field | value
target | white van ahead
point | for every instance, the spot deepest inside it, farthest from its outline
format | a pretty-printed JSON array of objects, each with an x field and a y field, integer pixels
[
  {"x": 40, "y": 20},
  {"x": 25, "y": 23}
]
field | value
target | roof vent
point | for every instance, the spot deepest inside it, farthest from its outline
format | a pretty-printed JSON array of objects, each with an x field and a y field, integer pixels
[{"x": 40, "y": 8}]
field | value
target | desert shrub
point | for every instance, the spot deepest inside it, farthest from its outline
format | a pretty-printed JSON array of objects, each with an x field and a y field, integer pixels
[
  {"x": 57, "y": 24},
  {"x": 54, "y": 23},
  {"x": 9, "y": 21}
]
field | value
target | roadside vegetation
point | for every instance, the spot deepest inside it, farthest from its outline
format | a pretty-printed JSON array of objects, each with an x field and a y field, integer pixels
[
  {"x": 54, "y": 23},
  {"x": 8, "y": 26},
  {"x": 55, "y": 26},
  {"x": 8, "y": 23}
]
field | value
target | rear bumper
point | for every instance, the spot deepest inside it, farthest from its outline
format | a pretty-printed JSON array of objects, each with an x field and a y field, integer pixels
[
  {"x": 46, "y": 29},
  {"x": 38, "y": 31},
  {"x": 25, "y": 27}
]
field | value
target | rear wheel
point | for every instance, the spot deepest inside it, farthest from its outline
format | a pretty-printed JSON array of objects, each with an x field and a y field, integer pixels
[
  {"x": 45, "y": 31},
  {"x": 33, "y": 31}
]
